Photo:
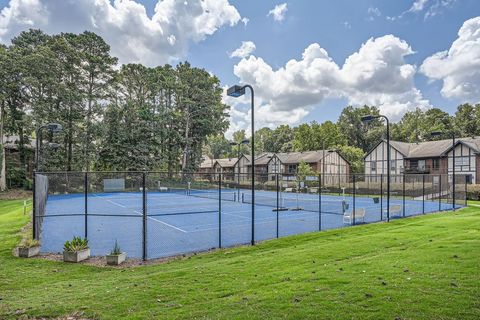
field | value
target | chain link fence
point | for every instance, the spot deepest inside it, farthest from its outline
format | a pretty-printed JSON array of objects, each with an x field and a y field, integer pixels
[{"x": 158, "y": 214}]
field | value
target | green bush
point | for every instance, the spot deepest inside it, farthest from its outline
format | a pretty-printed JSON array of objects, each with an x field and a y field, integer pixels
[
  {"x": 473, "y": 192},
  {"x": 76, "y": 244},
  {"x": 29, "y": 243}
]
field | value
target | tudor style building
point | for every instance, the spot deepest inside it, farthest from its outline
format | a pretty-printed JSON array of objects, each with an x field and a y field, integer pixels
[
  {"x": 432, "y": 157},
  {"x": 267, "y": 165}
]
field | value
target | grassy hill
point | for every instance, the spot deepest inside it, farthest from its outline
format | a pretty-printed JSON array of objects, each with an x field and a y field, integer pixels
[{"x": 418, "y": 268}]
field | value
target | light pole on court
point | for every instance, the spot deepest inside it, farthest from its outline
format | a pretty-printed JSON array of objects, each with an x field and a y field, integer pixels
[{"x": 238, "y": 91}]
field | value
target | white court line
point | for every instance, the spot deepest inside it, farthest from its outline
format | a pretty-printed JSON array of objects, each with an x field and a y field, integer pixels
[
  {"x": 139, "y": 213},
  {"x": 167, "y": 224}
]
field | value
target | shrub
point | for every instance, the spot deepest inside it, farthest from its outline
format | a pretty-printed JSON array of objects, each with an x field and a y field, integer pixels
[
  {"x": 29, "y": 243},
  {"x": 76, "y": 244},
  {"x": 473, "y": 192}
]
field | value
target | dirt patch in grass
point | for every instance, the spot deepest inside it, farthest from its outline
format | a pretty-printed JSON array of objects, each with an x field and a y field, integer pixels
[
  {"x": 16, "y": 194},
  {"x": 101, "y": 261},
  {"x": 73, "y": 316}
]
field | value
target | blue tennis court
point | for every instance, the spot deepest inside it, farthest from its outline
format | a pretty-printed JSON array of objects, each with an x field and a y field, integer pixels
[{"x": 186, "y": 221}]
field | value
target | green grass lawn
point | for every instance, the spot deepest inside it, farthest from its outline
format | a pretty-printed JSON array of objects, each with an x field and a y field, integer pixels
[{"x": 418, "y": 268}]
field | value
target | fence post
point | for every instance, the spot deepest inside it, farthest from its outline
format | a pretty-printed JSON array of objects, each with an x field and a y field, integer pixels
[
  {"x": 403, "y": 200},
  {"x": 423, "y": 193},
  {"x": 144, "y": 226},
  {"x": 354, "y": 194},
  {"x": 320, "y": 176},
  {"x": 220, "y": 210},
  {"x": 85, "y": 193},
  {"x": 381, "y": 196},
  {"x": 466, "y": 192},
  {"x": 34, "y": 218},
  {"x": 277, "y": 186}
]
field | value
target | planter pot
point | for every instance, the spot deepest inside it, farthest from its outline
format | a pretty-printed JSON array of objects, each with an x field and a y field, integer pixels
[
  {"x": 76, "y": 256},
  {"x": 28, "y": 252},
  {"x": 115, "y": 260}
]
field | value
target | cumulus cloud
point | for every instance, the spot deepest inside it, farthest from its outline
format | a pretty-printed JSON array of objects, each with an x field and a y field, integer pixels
[
  {"x": 278, "y": 13},
  {"x": 246, "y": 49},
  {"x": 376, "y": 74},
  {"x": 124, "y": 24},
  {"x": 459, "y": 67}
]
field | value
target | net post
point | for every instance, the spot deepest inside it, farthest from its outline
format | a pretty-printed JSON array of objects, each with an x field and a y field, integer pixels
[
  {"x": 439, "y": 192},
  {"x": 85, "y": 194},
  {"x": 34, "y": 218},
  {"x": 466, "y": 190},
  {"x": 144, "y": 218},
  {"x": 220, "y": 210},
  {"x": 403, "y": 197},
  {"x": 277, "y": 186},
  {"x": 320, "y": 202},
  {"x": 381, "y": 196},
  {"x": 354, "y": 194},
  {"x": 423, "y": 193}
]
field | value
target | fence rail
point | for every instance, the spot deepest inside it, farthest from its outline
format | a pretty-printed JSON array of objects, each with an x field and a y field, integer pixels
[{"x": 158, "y": 214}]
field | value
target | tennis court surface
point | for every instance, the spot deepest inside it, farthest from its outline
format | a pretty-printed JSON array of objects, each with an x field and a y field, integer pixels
[{"x": 153, "y": 215}]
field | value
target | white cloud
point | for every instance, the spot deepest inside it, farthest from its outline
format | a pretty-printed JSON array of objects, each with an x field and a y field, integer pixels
[
  {"x": 376, "y": 74},
  {"x": 246, "y": 49},
  {"x": 418, "y": 5},
  {"x": 459, "y": 67},
  {"x": 438, "y": 7},
  {"x": 347, "y": 25},
  {"x": 373, "y": 13},
  {"x": 245, "y": 21},
  {"x": 124, "y": 24},
  {"x": 278, "y": 13}
]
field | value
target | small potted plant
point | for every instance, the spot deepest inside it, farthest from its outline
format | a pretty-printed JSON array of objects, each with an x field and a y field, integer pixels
[
  {"x": 76, "y": 250},
  {"x": 116, "y": 256},
  {"x": 28, "y": 248}
]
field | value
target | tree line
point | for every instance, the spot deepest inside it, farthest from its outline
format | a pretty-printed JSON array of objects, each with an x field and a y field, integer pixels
[
  {"x": 349, "y": 136},
  {"x": 130, "y": 117}
]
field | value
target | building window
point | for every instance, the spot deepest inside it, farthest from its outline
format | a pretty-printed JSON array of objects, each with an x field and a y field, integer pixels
[
  {"x": 462, "y": 163},
  {"x": 436, "y": 164},
  {"x": 373, "y": 166},
  {"x": 292, "y": 168},
  {"x": 393, "y": 165},
  {"x": 421, "y": 165}
]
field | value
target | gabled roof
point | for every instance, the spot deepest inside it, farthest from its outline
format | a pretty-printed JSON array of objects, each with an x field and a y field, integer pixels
[
  {"x": 264, "y": 158},
  {"x": 471, "y": 142},
  {"x": 207, "y": 162},
  {"x": 226, "y": 163},
  {"x": 297, "y": 157},
  {"x": 430, "y": 149}
]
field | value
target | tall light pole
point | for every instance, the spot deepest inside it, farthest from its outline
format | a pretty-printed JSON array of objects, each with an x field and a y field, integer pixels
[
  {"x": 452, "y": 134},
  {"x": 238, "y": 144},
  {"x": 237, "y": 91},
  {"x": 52, "y": 127},
  {"x": 367, "y": 119}
]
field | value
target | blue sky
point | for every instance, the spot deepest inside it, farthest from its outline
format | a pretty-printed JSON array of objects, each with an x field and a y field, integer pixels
[{"x": 391, "y": 71}]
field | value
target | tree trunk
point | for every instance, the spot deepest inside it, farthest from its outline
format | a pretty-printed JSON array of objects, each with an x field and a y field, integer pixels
[{"x": 185, "y": 149}]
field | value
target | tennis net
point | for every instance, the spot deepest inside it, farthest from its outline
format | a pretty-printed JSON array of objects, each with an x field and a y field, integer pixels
[
  {"x": 294, "y": 203},
  {"x": 213, "y": 194}
]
